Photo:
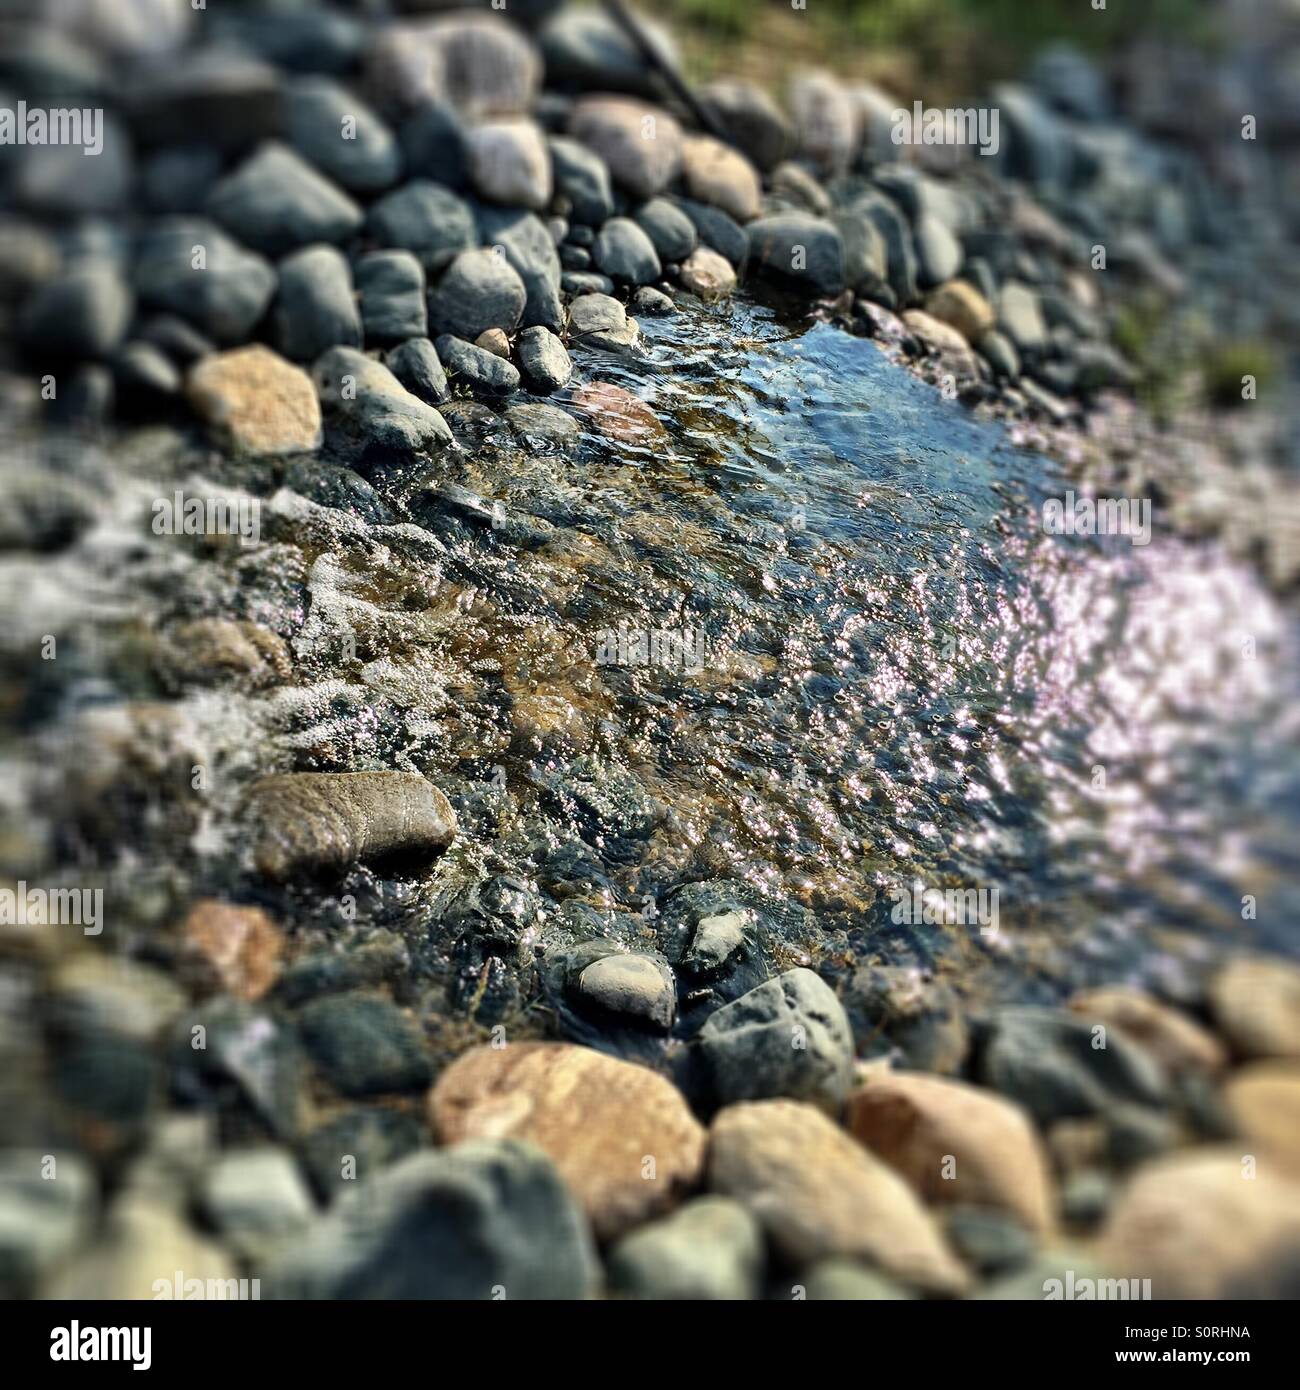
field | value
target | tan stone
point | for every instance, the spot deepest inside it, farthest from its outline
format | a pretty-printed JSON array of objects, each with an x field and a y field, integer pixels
[
  {"x": 494, "y": 340},
  {"x": 241, "y": 945},
  {"x": 260, "y": 402},
  {"x": 642, "y": 144},
  {"x": 621, "y": 1136},
  {"x": 705, "y": 273},
  {"x": 961, "y": 305},
  {"x": 617, "y": 413},
  {"x": 1199, "y": 1226},
  {"x": 1264, "y": 1102},
  {"x": 721, "y": 176},
  {"x": 1177, "y": 1042},
  {"x": 1256, "y": 1005},
  {"x": 818, "y": 1193},
  {"x": 955, "y": 1144}
]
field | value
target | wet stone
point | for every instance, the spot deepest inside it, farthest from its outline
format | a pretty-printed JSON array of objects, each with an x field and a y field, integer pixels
[
  {"x": 544, "y": 358},
  {"x": 319, "y": 823},
  {"x": 543, "y": 428}
]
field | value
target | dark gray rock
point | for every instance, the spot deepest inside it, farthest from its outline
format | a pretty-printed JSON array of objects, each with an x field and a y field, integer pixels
[
  {"x": 470, "y": 1222},
  {"x": 586, "y": 50},
  {"x": 85, "y": 400},
  {"x": 992, "y": 1242},
  {"x": 787, "y": 1038},
  {"x": 249, "y": 1060},
  {"x": 208, "y": 93},
  {"x": 580, "y": 282},
  {"x": 865, "y": 259},
  {"x": 315, "y": 309},
  {"x": 483, "y": 372},
  {"x": 651, "y": 301},
  {"x": 582, "y": 177},
  {"x": 140, "y": 368},
  {"x": 415, "y": 364},
  {"x": 190, "y": 267},
  {"x": 544, "y": 359},
  {"x": 391, "y": 288},
  {"x": 1071, "y": 83},
  {"x": 276, "y": 202},
  {"x": 299, "y": 40},
  {"x": 530, "y": 249},
  {"x": 1047, "y": 1062},
  {"x": 753, "y": 120},
  {"x": 341, "y": 136},
  {"x": 177, "y": 179},
  {"x": 433, "y": 141},
  {"x": 896, "y": 232},
  {"x": 84, "y": 313},
  {"x": 668, "y": 227},
  {"x": 182, "y": 343},
  {"x": 480, "y": 290},
  {"x": 429, "y": 221},
  {"x": 718, "y": 230},
  {"x": 599, "y": 320},
  {"x": 800, "y": 248},
  {"x": 364, "y": 1044},
  {"x": 368, "y": 411},
  {"x": 625, "y": 253}
]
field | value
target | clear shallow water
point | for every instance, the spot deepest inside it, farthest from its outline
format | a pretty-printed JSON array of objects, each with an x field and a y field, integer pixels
[{"x": 902, "y": 679}]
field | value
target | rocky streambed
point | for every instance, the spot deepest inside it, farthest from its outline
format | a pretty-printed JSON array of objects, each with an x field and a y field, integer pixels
[{"x": 646, "y": 791}]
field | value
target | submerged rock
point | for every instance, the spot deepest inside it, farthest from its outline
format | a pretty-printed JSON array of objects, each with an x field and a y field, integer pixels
[{"x": 308, "y": 823}]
